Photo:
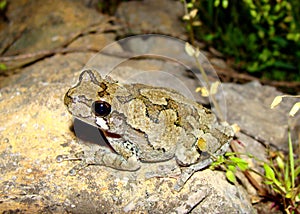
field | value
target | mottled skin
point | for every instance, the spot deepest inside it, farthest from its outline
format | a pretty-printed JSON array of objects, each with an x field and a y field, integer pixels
[{"x": 147, "y": 124}]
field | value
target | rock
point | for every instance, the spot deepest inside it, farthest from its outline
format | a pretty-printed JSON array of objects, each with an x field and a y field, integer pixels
[
  {"x": 152, "y": 16},
  {"x": 35, "y": 128},
  {"x": 42, "y": 27},
  {"x": 47, "y": 24},
  {"x": 248, "y": 106}
]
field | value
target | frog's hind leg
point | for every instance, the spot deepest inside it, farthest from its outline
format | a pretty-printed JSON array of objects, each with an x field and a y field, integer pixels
[{"x": 187, "y": 172}]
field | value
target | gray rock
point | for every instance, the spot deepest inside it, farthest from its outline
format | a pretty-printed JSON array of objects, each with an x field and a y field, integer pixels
[
  {"x": 152, "y": 16},
  {"x": 37, "y": 28},
  {"x": 248, "y": 106},
  {"x": 35, "y": 129}
]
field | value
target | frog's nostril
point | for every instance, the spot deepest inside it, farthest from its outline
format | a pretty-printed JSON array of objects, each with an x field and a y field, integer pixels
[{"x": 101, "y": 108}]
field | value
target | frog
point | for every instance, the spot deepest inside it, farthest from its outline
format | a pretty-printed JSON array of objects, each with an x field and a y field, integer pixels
[{"x": 146, "y": 124}]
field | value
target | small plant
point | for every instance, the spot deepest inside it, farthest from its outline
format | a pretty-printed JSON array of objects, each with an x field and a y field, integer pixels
[
  {"x": 209, "y": 89},
  {"x": 281, "y": 173},
  {"x": 190, "y": 17}
]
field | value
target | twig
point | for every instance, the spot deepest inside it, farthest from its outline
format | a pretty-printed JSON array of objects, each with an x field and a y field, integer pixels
[
  {"x": 242, "y": 77},
  {"x": 13, "y": 40},
  {"x": 39, "y": 55},
  {"x": 45, "y": 53}
]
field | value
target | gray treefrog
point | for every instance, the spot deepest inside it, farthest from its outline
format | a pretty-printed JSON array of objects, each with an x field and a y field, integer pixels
[{"x": 143, "y": 123}]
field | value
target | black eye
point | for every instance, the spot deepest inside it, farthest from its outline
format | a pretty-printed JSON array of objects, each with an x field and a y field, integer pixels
[{"x": 101, "y": 108}]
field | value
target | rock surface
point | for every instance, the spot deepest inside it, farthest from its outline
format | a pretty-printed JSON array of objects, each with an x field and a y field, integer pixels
[
  {"x": 35, "y": 127},
  {"x": 249, "y": 107},
  {"x": 151, "y": 16}
]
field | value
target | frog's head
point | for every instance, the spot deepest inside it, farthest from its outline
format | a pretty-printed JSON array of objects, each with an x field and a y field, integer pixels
[{"x": 90, "y": 99}]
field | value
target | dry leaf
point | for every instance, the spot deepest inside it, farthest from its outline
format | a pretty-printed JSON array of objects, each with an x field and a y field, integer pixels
[
  {"x": 235, "y": 128},
  {"x": 189, "y": 49},
  {"x": 186, "y": 17},
  {"x": 295, "y": 109},
  {"x": 196, "y": 23},
  {"x": 214, "y": 87},
  {"x": 193, "y": 13},
  {"x": 204, "y": 92},
  {"x": 201, "y": 143},
  {"x": 276, "y": 101}
]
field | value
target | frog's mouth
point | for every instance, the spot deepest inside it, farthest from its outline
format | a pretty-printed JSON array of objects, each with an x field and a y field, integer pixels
[{"x": 102, "y": 123}]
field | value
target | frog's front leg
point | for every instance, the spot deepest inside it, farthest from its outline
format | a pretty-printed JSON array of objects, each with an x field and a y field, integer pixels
[
  {"x": 106, "y": 157},
  {"x": 99, "y": 155}
]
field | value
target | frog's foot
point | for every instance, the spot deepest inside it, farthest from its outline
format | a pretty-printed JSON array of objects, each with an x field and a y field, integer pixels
[
  {"x": 189, "y": 171},
  {"x": 77, "y": 157},
  {"x": 100, "y": 156}
]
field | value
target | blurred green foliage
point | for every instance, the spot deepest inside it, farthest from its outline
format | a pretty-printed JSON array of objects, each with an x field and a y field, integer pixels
[
  {"x": 262, "y": 36},
  {"x": 3, "y": 4}
]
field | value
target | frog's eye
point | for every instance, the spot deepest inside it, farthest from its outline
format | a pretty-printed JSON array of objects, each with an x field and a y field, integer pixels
[{"x": 101, "y": 108}]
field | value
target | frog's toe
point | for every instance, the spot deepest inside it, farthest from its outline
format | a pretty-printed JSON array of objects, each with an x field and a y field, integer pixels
[
  {"x": 77, "y": 157},
  {"x": 132, "y": 164},
  {"x": 61, "y": 158},
  {"x": 77, "y": 168}
]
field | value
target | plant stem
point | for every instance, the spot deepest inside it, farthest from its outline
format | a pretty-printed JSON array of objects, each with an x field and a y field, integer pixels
[
  {"x": 212, "y": 96},
  {"x": 189, "y": 24},
  {"x": 291, "y": 159}
]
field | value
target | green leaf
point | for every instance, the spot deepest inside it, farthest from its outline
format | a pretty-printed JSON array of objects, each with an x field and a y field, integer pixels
[
  {"x": 241, "y": 163},
  {"x": 237, "y": 160},
  {"x": 217, "y": 3},
  {"x": 3, "y": 66},
  {"x": 3, "y": 5},
  {"x": 269, "y": 172},
  {"x": 287, "y": 174},
  {"x": 229, "y": 154},
  {"x": 253, "y": 13},
  {"x": 231, "y": 168},
  {"x": 190, "y": 5},
  {"x": 243, "y": 166},
  {"x": 272, "y": 179},
  {"x": 297, "y": 171},
  {"x": 268, "y": 182},
  {"x": 225, "y": 4},
  {"x": 280, "y": 162},
  {"x": 288, "y": 184},
  {"x": 289, "y": 194},
  {"x": 230, "y": 176},
  {"x": 250, "y": 155},
  {"x": 209, "y": 37}
]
